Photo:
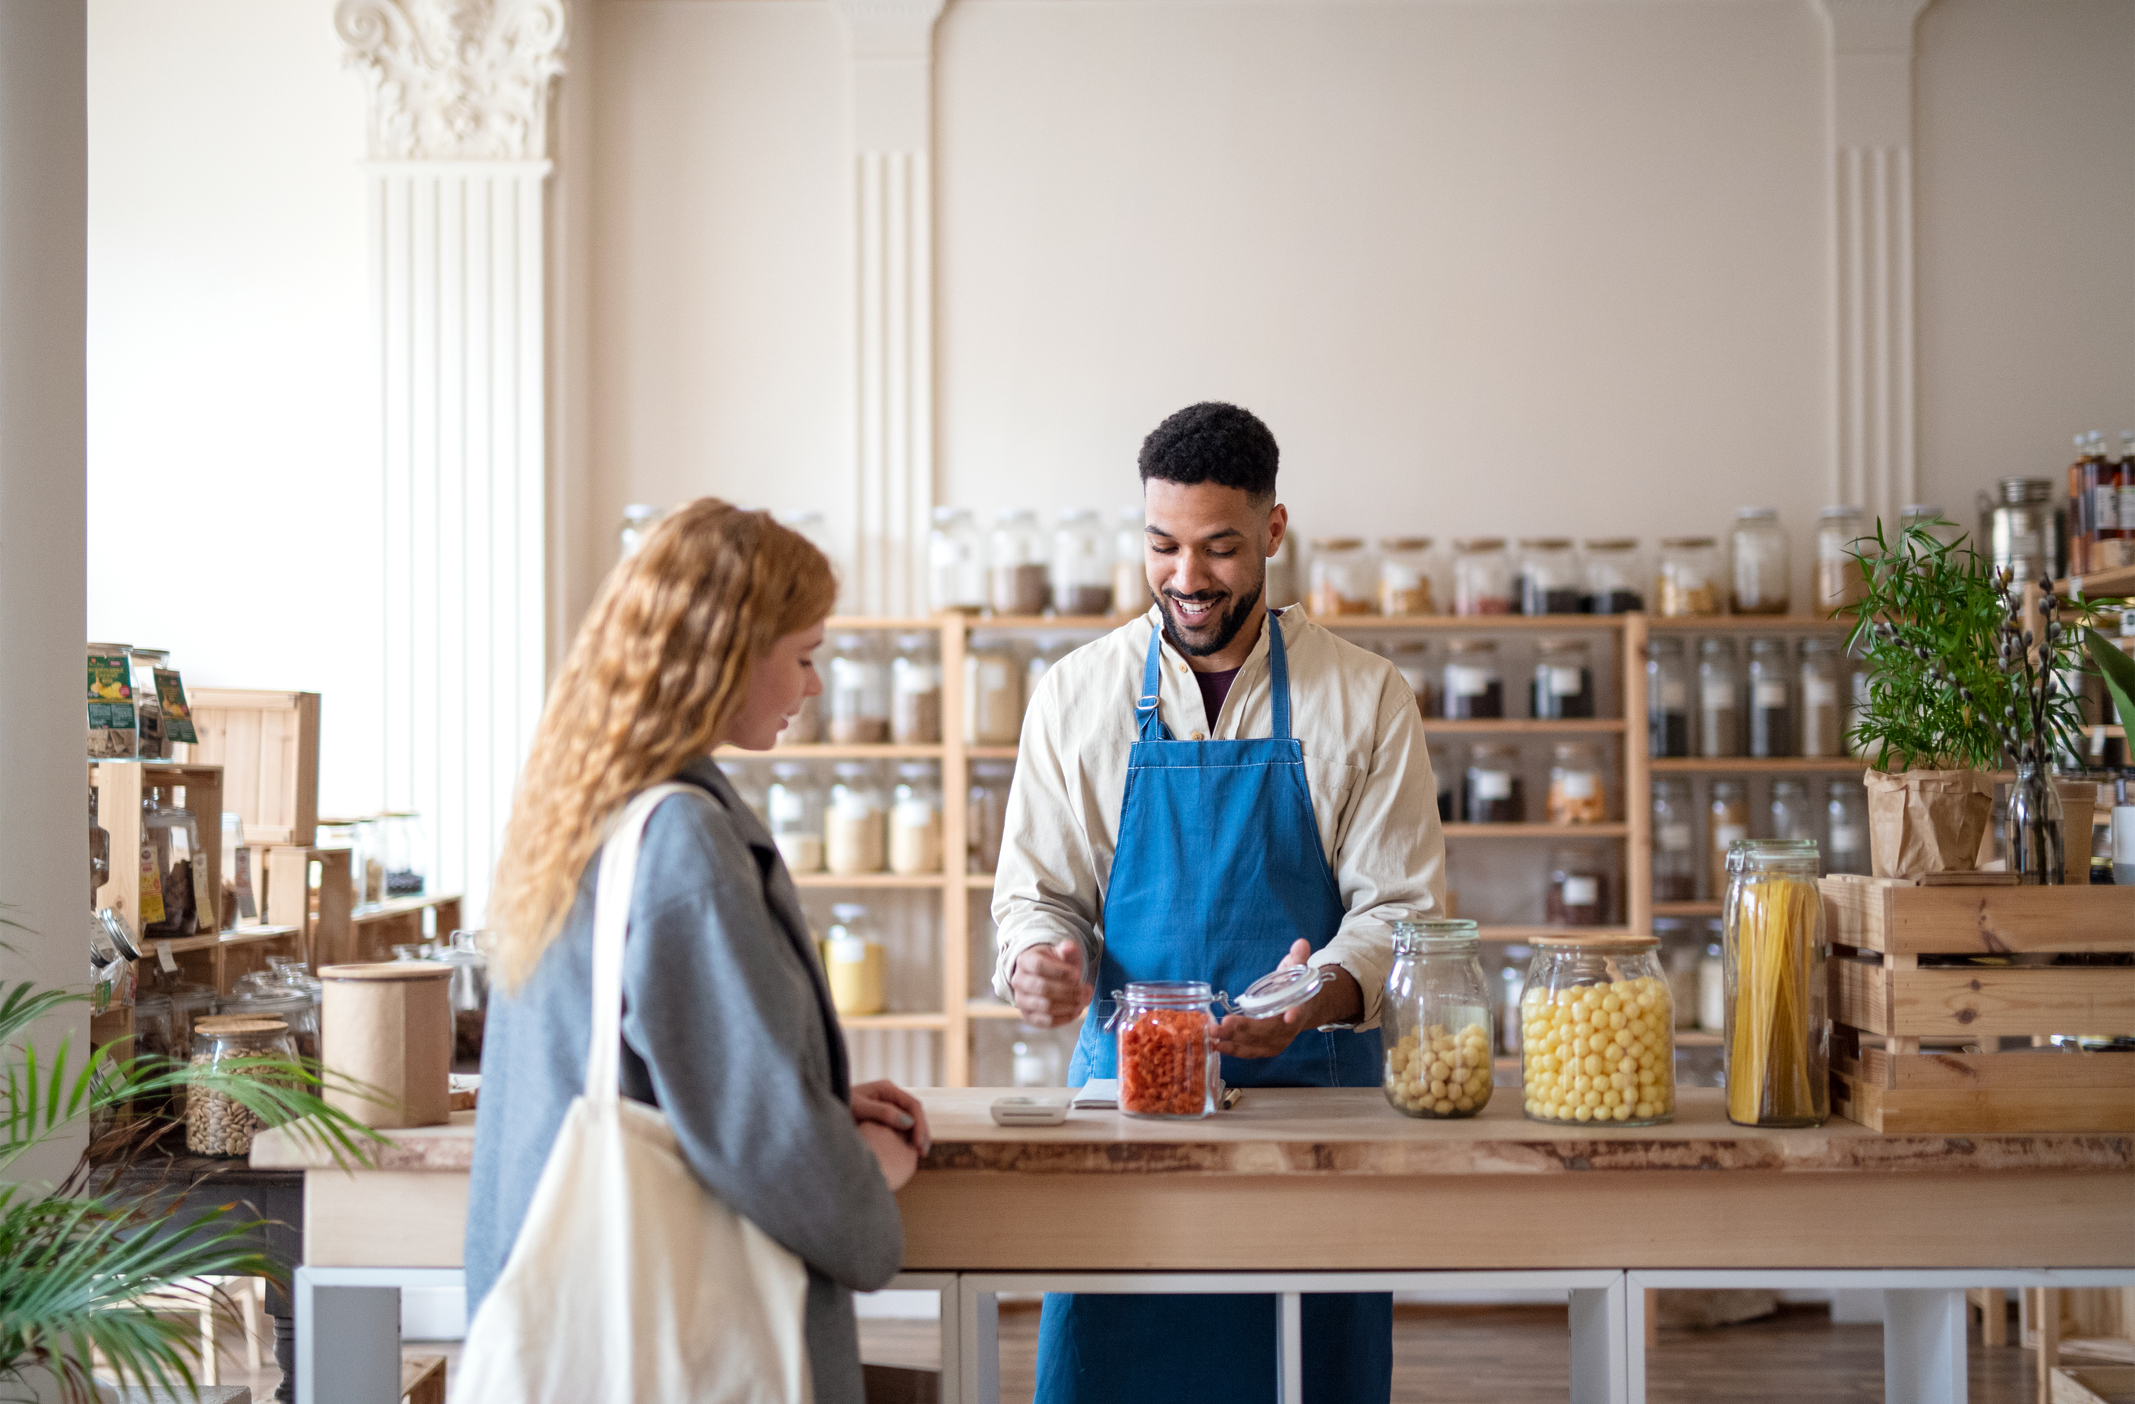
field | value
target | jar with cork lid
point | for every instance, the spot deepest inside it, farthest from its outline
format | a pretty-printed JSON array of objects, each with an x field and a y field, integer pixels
[
  {"x": 1341, "y": 579},
  {"x": 1719, "y": 699},
  {"x": 1576, "y": 792},
  {"x": 1597, "y": 1037},
  {"x": 1482, "y": 577},
  {"x": 1687, "y": 583},
  {"x": 1549, "y": 576},
  {"x": 915, "y": 691},
  {"x": 859, "y": 692},
  {"x": 793, "y": 802},
  {"x": 1761, "y": 563},
  {"x": 1405, "y": 576},
  {"x": 1475, "y": 685}
]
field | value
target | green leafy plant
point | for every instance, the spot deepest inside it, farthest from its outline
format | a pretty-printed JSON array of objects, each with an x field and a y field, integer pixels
[
  {"x": 75, "y": 1257},
  {"x": 2118, "y": 670},
  {"x": 1956, "y": 677}
]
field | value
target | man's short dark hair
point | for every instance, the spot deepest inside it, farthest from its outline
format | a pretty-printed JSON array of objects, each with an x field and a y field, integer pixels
[{"x": 1213, "y": 443}]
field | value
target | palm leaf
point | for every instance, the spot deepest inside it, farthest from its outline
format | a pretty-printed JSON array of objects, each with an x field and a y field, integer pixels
[{"x": 2118, "y": 670}]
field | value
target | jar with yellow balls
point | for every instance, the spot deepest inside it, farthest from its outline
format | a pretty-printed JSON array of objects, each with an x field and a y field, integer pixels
[
  {"x": 1598, "y": 1032},
  {"x": 1437, "y": 1018}
]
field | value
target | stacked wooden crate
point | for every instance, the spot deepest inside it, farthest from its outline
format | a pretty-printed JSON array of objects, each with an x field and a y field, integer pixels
[{"x": 1890, "y": 993}]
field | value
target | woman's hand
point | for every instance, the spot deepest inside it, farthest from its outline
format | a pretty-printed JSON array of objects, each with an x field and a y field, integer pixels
[
  {"x": 897, "y": 1157},
  {"x": 886, "y": 1104}
]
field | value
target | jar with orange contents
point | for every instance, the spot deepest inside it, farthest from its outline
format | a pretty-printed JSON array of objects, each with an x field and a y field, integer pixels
[{"x": 1167, "y": 1057}]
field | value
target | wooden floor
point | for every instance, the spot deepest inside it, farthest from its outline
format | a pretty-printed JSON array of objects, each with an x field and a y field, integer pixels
[{"x": 1518, "y": 1355}]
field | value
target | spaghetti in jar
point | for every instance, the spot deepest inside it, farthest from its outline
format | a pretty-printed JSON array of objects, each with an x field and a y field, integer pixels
[{"x": 1778, "y": 1045}]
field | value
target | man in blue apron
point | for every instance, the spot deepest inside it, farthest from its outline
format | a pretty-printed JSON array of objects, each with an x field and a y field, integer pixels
[{"x": 1208, "y": 793}]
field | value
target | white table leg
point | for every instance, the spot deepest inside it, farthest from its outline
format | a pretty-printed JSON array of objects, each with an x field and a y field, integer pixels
[
  {"x": 1924, "y": 1346},
  {"x": 951, "y": 1319},
  {"x": 1600, "y": 1321},
  {"x": 348, "y": 1343},
  {"x": 1636, "y": 1301},
  {"x": 978, "y": 1347},
  {"x": 1290, "y": 1348}
]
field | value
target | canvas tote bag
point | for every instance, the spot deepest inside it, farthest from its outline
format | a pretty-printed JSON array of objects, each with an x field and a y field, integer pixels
[{"x": 631, "y": 1282}]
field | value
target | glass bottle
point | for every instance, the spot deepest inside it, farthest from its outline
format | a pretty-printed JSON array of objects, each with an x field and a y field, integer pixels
[
  {"x": 1082, "y": 564},
  {"x": 1792, "y": 818},
  {"x": 1839, "y": 582},
  {"x": 1576, "y": 793},
  {"x": 1615, "y": 575},
  {"x": 217, "y": 1124},
  {"x": 956, "y": 563},
  {"x": 1412, "y": 659},
  {"x": 1563, "y": 685},
  {"x": 993, "y": 695},
  {"x": 1130, "y": 568},
  {"x": 1405, "y": 576},
  {"x": 1482, "y": 577},
  {"x": 1771, "y": 700},
  {"x": 1821, "y": 732},
  {"x": 1492, "y": 792},
  {"x": 915, "y": 691},
  {"x": 1846, "y": 820},
  {"x": 1438, "y": 1021},
  {"x": 1016, "y": 572},
  {"x": 1475, "y": 687},
  {"x": 855, "y": 822},
  {"x": 467, "y": 952},
  {"x": 915, "y": 821},
  {"x": 1549, "y": 577},
  {"x": 1578, "y": 889},
  {"x": 858, "y": 692},
  {"x": 1687, "y": 584},
  {"x": 986, "y": 814},
  {"x": 2033, "y": 828},
  {"x": 1582, "y": 993},
  {"x": 854, "y": 962},
  {"x": 1761, "y": 565},
  {"x": 1778, "y": 1043},
  {"x": 1168, "y": 1066},
  {"x": 1667, "y": 698},
  {"x": 794, "y": 803},
  {"x": 1730, "y": 825},
  {"x": 1719, "y": 699},
  {"x": 1675, "y": 845},
  {"x": 1341, "y": 578}
]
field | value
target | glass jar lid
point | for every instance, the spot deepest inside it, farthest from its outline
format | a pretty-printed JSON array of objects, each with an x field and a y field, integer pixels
[
  {"x": 1689, "y": 543},
  {"x": 1545, "y": 543},
  {"x": 1470, "y": 545},
  {"x": 1404, "y": 543},
  {"x": 1598, "y": 944},
  {"x": 1435, "y": 934},
  {"x": 1611, "y": 543},
  {"x": 1772, "y": 855},
  {"x": 240, "y": 1030},
  {"x": 1337, "y": 543},
  {"x": 1279, "y": 991},
  {"x": 1171, "y": 994},
  {"x": 1756, "y": 514}
]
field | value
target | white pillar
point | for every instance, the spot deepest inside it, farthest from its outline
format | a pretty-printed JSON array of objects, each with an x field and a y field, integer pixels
[
  {"x": 458, "y": 145},
  {"x": 44, "y": 236},
  {"x": 1874, "y": 421},
  {"x": 893, "y": 307}
]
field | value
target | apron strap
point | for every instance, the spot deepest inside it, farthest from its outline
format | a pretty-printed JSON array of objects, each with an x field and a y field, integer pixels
[
  {"x": 1278, "y": 675},
  {"x": 1149, "y": 722}
]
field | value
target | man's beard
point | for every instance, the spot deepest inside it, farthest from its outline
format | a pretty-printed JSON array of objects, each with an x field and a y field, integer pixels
[{"x": 1227, "y": 624}]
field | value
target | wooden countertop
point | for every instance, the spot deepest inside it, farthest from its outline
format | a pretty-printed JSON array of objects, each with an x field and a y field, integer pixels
[{"x": 1352, "y": 1131}]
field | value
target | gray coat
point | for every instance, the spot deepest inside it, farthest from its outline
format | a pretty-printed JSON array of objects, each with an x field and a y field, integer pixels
[{"x": 728, "y": 1029}]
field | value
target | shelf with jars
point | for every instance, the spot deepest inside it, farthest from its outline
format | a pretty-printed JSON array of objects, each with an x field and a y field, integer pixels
[{"x": 1749, "y": 765}]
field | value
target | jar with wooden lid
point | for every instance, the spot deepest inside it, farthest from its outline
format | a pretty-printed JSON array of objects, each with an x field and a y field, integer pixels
[
  {"x": 1615, "y": 576},
  {"x": 1597, "y": 1032},
  {"x": 1405, "y": 576},
  {"x": 1839, "y": 582},
  {"x": 956, "y": 563},
  {"x": 217, "y": 1123},
  {"x": 1018, "y": 577},
  {"x": 1475, "y": 685},
  {"x": 855, "y": 822},
  {"x": 1563, "y": 684},
  {"x": 986, "y": 814},
  {"x": 1438, "y": 1021},
  {"x": 915, "y": 691},
  {"x": 1761, "y": 563},
  {"x": 1576, "y": 792},
  {"x": 1482, "y": 577},
  {"x": 1667, "y": 698},
  {"x": 1821, "y": 729},
  {"x": 1340, "y": 578},
  {"x": 1549, "y": 576},
  {"x": 1412, "y": 659},
  {"x": 1130, "y": 570},
  {"x": 1687, "y": 583},
  {"x": 859, "y": 692},
  {"x": 1082, "y": 564}
]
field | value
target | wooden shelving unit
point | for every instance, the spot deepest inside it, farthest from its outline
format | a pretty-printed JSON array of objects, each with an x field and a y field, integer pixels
[{"x": 1751, "y": 765}]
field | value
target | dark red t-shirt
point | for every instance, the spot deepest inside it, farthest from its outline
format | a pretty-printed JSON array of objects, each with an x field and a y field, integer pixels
[{"x": 1214, "y": 688}]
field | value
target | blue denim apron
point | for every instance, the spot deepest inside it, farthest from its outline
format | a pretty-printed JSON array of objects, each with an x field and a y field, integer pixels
[{"x": 1217, "y": 870}]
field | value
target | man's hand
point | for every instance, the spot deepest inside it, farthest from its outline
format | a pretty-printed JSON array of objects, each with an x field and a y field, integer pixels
[
  {"x": 1340, "y": 1001},
  {"x": 1048, "y": 984}
]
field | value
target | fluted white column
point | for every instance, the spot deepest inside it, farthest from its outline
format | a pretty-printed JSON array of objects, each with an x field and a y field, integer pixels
[
  {"x": 1874, "y": 459},
  {"x": 459, "y": 94}
]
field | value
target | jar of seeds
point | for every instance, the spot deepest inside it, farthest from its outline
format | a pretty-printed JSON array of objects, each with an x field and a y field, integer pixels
[{"x": 216, "y": 1123}]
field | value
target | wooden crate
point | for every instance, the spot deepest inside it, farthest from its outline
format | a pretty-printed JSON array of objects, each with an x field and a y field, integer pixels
[
  {"x": 268, "y": 746},
  {"x": 120, "y": 785},
  {"x": 1884, "y": 1002},
  {"x": 2094, "y": 1384},
  {"x": 311, "y": 889},
  {"x": 422, "y": 1379}
]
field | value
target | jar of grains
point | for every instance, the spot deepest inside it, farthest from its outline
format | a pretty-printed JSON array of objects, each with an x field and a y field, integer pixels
[
  {"x": 1438, "y": 1021},
  {"x": 1839, "y": 582},
  {"x": 216, "y": 1123},
  {"x": 1405, "y": 575},
  {"x": 1168, "y": 1066},
  {"x": 1688, "y": 581},
  {"x": 1576, "y": 795},
  {"x": 1761, "y": 563},
  {"x": 1563, "y": 686},
  {"x": 1598, "y": 1032},
  {"x": 993, "y": 696},
  {"x": 915, "y": 821},
  {"x": 1675, "y": 845},
  {"x": 956, "y": 563},
  {"x": 794, "y": 802},
  {"x": 1340, "y": 578},
  {"x": 1492, "y": 794},
  {"x": 1482, "y": 577},
  {"x": 1719, "y": 699},
  {"x": 1475, "y": 686},
  {"x": 1615, "y": 576},
  {"x": 1016, "y": 571},
  {"x": 1549, "y": 577},
  {"x": 854, "y": 963},
  {"x": 859, "y": 692},
  {"x": 855, "y": 822},
  {"x": 1578, "y": 889},
  {"x": 1082, "y": 564},
  {"x": 986, "y": 814},
  {"x": 1771, "y": 699},
  {"x": 1667, "y": 698},
  {"x": 915, "y": 692},
  {"x": 1820, "y": 730},
  {"x": 1130, "y": 571}
]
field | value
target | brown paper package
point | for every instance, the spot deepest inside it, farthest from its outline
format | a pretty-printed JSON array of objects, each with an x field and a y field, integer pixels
[
  {"x": 1927, "y": 821},
  {"x": 389, "y": 1026}
]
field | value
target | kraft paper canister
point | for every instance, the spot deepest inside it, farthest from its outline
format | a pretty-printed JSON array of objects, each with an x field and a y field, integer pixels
[{"x": 389, "y": 1027}]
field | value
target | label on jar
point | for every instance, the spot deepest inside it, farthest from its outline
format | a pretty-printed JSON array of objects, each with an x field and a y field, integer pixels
[
  {"x": 1675, "y": 696},
  {"x": 1845, "y": 838},
  {"x": 1566, "y": 682},
  {"x": 165, "y": 959},
  {"x": 1718, "y": 695},
  {"x": 1463, "y": 681},
  {"x": 1582, "y": 891},
  {"x": 1724, "y": 836},
  {"x": 1771, "y": 694},
  {"x": 1576, "y": 784},
  {"x": 1674, "y": 838},
  {"x": 2127, "y": 507},
  {"x": 1819, "y": 692},
  {"x": 1490, "y": 784}
]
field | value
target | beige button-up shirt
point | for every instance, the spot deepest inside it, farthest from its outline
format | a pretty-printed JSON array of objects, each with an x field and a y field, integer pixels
[{"x": 1366, "y": 767}]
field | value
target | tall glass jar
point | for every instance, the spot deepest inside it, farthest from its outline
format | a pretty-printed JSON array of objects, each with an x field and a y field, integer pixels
[
  {"x": 915, "y": 821},
  {"x": 1492, "y": 792},
  {"x": 407, "y": 853},
  {"x": 216, "y": 1123},
  {"x": 467, "y": 953},
  {"x": 1822, "y": 721},
  {"x": 1667, "y": 698},
  {"x": 1438, "y": 1020},
  {"x": 1412, "y": 659},
  {"x": 1839, "y": 583},
  {"x": 1405, "y": 576},
  {"x": 1792, "y": 818},
  {"x": 1675, "y": 842},
  {"x": 1728, "y": 824},
  {"x": 986, "y": 814},
  {"x": 1549, "y": 577},
  {"x": 915, "y": 691},
  {"x": 1482, "y": 577},
  {"x": 1563, "y": 686},
  {"x": 859, "y": 692},
  {"x": 1688, "y": 581},
  {"x": 1576, "y": 792},
  {"x": 1771, "y": 700},
  {"x": 1475, "y": 686},
  {"x": 956, "y": 563},
  {"x": 1598, "y": 1032},
  {"x": 1168, "y": 1066},
  {"x": 855, "y": 963},
  {"x": 1443, "y": 772},
  {"x": 855, "y": 822},
  {"x": 1616, "y": 576},
  {"x": 993, "y": 696},
  {"x": 1130, "y": 568},
  {"x": 1778, "y": 1045},
  {"x": 1342, "y": 579},
  {"x": 1578, "y": 888},
  {"x": 1082, "y": 564},
  {"x": 1018, "y": 579},
  {"x": 1719, "y": 699},
  {"x": 1761, "y": 564},
  {"x": 1846, "y": 825},
  {"x": 794, "y": 802}
]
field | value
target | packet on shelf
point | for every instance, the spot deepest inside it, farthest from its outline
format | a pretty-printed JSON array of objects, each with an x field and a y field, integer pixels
[
  {"x": 1440, "y": 1073},
  {"x": 1600, "y": 1052}
]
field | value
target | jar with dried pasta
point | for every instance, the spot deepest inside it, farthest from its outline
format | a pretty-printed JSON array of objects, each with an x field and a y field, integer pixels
[
  {"x": 1437, "y": 1015},
  {"x": 1168, "y": 1065},
  {"x": 855, "y": 824},
  {"x": 1597, "y": 1032}
]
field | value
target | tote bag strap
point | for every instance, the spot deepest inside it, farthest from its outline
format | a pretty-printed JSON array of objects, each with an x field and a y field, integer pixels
[{"x": 611, "y": 923}]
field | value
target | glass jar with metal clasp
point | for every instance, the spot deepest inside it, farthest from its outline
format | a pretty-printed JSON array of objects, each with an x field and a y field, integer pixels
[
  {"x": 1437, "y": 1015},
  {"x": 1168, "y": 1065}
]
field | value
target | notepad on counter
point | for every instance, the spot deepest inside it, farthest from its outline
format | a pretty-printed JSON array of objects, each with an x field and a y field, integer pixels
[{"x": 1099, "y": 1092}]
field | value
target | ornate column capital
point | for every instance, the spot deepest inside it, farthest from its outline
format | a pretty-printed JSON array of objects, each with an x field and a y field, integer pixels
[{"x": 456, "y": 80}]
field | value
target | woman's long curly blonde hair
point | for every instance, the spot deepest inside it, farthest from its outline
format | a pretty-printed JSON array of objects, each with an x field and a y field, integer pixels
[{"x": 658, "y": 670}]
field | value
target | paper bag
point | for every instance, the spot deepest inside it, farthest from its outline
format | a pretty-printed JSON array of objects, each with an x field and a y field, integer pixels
[{"x": 1927, "y": 821}]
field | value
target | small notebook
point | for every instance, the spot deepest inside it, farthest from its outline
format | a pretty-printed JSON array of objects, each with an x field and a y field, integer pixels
[{"x": 1100, "y": 1092}]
